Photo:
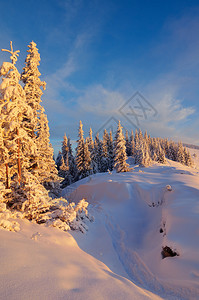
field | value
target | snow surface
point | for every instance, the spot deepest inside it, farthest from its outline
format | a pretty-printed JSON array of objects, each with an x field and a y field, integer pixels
[
  {"x": 130, "y": 209},
  {"x": 120, "y": 255},
  {"x": 44, "y": 263}
]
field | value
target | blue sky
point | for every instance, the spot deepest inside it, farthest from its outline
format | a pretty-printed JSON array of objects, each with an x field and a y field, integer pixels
[{"x": 95, "y": 55}]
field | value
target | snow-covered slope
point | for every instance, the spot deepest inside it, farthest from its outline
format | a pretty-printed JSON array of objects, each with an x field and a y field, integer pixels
[
  {"x": 45, "y": 263},
  {"x": 136, "y": 214}
]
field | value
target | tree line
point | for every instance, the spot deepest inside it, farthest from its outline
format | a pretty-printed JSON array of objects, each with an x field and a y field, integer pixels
[{"x": 101, "y": 155}]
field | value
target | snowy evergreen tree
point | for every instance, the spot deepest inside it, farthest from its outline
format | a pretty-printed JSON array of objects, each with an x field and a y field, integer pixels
[
  {"x": 17, "y": 143},
  {"x": 166, "y": 147},
  {"x": 132, "y": 144},
  {"x": 142, "y": 151},
  {"x": 136, "y": 138},
  {"x": 172, "y": 151},
  {"x": 110, "y": 150},
  {"x": 146, "y": 160},
  {"x": 33, "y": 84},
  {"x": 65, "y": 148},
  {"x": 92, "y": 151},
  {"x": 91, "y": 143},
  {"x": 46, "y": 170},
  {"x": 120, "y": 156},
  {"x": 180, "y": 153},
  {"x": 98, "y": 154},
  {"x": 44, "y": 163},
  {"x": 105, "y": 154},
  {"x": 160, "y": 154},
  {"x": 140, "y": 135},
  {"x": 83, "y": 159},
  {"x": 71, "y": 161},
  {"x": 187, "y": 157},
  {"x": 58, "y": 161},
  {"x": 128, "y": 145},
  {"x": 63, "y": 168},
  {"x": 146, "y": 137}
]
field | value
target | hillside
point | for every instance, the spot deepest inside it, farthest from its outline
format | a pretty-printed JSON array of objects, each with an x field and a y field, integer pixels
[{"x": 136, "y": 214}]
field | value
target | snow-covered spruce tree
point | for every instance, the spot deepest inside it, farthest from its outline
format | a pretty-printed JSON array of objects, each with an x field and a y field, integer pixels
[
  {"x": 58, "y": 161},
  {"x": 62, "y": 168},
  {"x": 71, "y": 161},
  {"x": 128, "y": 144},
  {"x": 140, "y": 135},
  {"x": 44, "y": 165},
  {"x": 120, "y": 156},
  {"x": 187, "y": 157},
  {"x": 65, "y": 147},
  {"x": 16, "y": 140},
  {"x": 173, "y": 151},
  {"x": 160, "y": 154},
  {"x": 19, "y": 145},
  {"x": 110, "y": 149},
  {"x": 105, "y": 154},
  {"x": 83, "y": 159},
  {"x": 153, "y": 146},
  {"x": 91, "y": 143},
  {"x": 142, "y": 153},
  {"x": 98, "y": 156},
  {"x": 132, "y": 144},
  {"x": 33, "y": 84},
  {"x": 46, "y": 170},
  {"x": 166, "y": 147},
  {"x": 136, "y": 138},
  {"x": 180, "y": 153},
  {"x": 147, "y": 155},
  {"x": 2, "y": 156},
  {"x": 67, "y": 168},
  {"x": 92, "y": 151}
]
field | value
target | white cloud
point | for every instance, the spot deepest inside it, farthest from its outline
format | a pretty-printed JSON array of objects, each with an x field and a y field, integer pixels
[{"x": 100, "y": 101}]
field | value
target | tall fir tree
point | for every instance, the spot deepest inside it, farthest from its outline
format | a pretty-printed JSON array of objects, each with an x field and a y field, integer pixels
[
  {"x": 180, "y": 153},
  {"x": 187, "y": 157},
  {"x": 71, "y": 161},
  {"x": 98, "y": 154},
  {"x": 46, "y": 170},
  {"x": 128, "y": 144},
  {"x": 92, "y": 150},
  {"x": 142, "y": 152},
  {"x": 16, "y": 140},
  {"x": 132, "y": 144},
  {"x": 136, "y": 138},
  {"x": 83, "y": 159},
  {"x": 65, "y": 147},
  {"x": 67, "y": 167},
  {"x": 33, "y": 84},
  {"x": 45, "y": 167},
  {"x": 110, "y": 148},
  {"x": 105, "y": 154},
  {"x": 120, "y": 156}
]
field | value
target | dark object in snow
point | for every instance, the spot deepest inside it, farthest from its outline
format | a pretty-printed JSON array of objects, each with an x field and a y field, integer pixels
[
  {"x": 168, "y": 252},
  {"x": 169, "y": 188},
  {"x": 161, "y": 230}
]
